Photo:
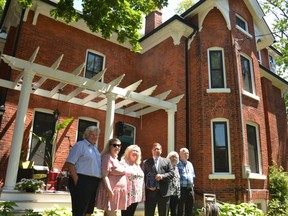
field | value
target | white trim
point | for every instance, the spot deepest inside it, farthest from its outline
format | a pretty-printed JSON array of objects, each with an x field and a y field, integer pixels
[
  {"x": 248, "y": 94},
  {"x": 228, "y": 145},
  {"x": 221, "y": 176},
  {"x": 255, "y": 175},
  {"x": 218, "y": 90},
  {"x": 223, "y": 64}
]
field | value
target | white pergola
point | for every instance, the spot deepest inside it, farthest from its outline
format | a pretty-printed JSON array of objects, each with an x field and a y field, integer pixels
[{"x": 129, "y": 102}]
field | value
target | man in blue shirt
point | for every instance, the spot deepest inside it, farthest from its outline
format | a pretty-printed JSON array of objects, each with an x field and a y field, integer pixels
[
  {"x": 84, "y": 166},
  {"x": 187, "y": 175}
]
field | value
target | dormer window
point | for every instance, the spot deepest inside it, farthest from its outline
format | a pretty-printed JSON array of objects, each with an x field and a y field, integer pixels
[{"x": 94, "y": 64}]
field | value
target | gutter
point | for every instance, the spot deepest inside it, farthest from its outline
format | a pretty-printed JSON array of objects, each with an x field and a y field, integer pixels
[{"x": 187, "y": 93}]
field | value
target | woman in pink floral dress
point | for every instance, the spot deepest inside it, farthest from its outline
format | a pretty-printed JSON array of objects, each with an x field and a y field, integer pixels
[
  {"x": 111, "y": 195},
  {"x": 135, "y": 179}
]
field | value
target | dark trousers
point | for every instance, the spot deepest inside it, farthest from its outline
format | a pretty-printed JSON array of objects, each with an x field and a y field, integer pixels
[
  {"x": 154, "y": 198},
  {"x": 130, "y": 211},
  {"x": 186, "y": 202},
  {"x": 83, "y": 194},
  {"x": 174, "y": 200}
]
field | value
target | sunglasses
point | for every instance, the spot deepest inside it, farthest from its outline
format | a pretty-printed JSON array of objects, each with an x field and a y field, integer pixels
[{"x": 116, "y": 145}]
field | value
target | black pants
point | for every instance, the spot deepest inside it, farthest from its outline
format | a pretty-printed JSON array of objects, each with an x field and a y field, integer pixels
[
  {"x": 186, "y": 202},
  {"x": 174, "y": 200},
  {"x": 130, "y": 211},
  {"x": 83, "y": 194},
  {"x": 154, "y": 198}
]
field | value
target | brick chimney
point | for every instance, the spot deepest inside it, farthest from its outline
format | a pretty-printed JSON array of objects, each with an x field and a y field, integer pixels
[{"x": 153, "y": 20}]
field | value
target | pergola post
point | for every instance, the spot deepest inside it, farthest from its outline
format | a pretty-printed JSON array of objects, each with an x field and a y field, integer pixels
[
  {"x": 14, "y": 157},
  {"x": 171, "y": 130},
  {"x": 110, "y": 113}
]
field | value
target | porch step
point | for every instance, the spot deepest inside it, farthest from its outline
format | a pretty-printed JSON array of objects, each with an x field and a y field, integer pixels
[{"x": 36, "y": 201}]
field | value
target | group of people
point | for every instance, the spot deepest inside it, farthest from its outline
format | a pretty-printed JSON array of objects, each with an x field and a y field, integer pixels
[{"x": 101, "y": 180}]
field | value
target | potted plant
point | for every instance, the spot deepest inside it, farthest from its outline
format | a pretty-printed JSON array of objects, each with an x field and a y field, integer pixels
[{"x": 30, "y": 185}]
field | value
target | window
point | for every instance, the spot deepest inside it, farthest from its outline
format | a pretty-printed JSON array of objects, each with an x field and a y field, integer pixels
[
  {"x": 220, "y": 146},
  {"x": 82, "y": 125},
  {"x": 43, "y": 127},
  {"x": 272, "y": 63},
  {"x": 216, "y": 67},
  {"x": 253, "y": 148},
  {"x": 94, "y": 64},
  {"x": 247, "y": 75},
  {"x": 241, "y": 23}
]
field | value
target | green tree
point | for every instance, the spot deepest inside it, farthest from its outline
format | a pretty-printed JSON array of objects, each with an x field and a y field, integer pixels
[
  {"x": 184, "y": 5},
  {"x": 2, "y": 5},
  {"x": 108, "y": 16},
  {"x": 278, "y": 9}
]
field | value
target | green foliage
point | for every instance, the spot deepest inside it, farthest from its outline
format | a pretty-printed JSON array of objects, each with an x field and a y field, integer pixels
[
  {"x": 279, "y": 10},
  {"x": 278, "y": 182},
  {"x": 243, "y": 209},
  {"x": 30, "y": 212},
  {"x": 57, "y": 211},
  {"x": 6, "y": 208},
  {"x": 184, "y": 5},
  {"x": 123, "y": 17}
]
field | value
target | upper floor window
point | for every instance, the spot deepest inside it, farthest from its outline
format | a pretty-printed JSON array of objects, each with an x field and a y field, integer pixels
[
  {"x": 247, "y": 75},
  {"x": 83, "y": 124},
  {"x": 253, "y": 148},
  {"x": 94, "y": 64},
  {"x": 272, "y": 63},
  {"x": 242, "y": 25},
  {"x": 220, "y": 141},
  {"x": 216, "y": 69}
]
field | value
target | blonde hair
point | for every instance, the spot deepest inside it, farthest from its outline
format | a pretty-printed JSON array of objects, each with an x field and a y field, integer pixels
[
  {"x": 173, "y": 153},
  {"x": 127, "y": 153},
  {"x": 107, "y": 146}
]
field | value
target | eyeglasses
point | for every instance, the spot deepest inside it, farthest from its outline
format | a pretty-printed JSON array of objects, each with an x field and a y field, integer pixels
[{"x": 116, "y": 145}]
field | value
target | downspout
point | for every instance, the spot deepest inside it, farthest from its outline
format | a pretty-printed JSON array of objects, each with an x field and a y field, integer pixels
[
  {"x": 15, "y": 45},
  {"x": 246, "y": 169},
  {"x": 187, "y": 94}
]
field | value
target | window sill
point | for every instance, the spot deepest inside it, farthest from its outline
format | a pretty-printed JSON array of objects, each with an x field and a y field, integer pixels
[
  {"x": 245, "y": 32},
  {"x": 221, "y": 176},
  {"x": 248, "y": 94},
  {"x": 218, "y": 90},
  {"x": 257, "y": 176}
]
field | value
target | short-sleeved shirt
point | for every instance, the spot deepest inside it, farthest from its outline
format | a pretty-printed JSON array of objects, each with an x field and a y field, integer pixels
[
  {"x": 187, "y": 174},
  {"x": 86, "y": 158}
]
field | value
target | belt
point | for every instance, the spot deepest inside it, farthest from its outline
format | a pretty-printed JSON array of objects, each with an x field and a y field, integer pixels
[{"x": 87, "y": 176}]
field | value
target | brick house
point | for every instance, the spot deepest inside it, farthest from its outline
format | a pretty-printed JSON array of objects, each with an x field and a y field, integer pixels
[{"x": 226, "y": 104}]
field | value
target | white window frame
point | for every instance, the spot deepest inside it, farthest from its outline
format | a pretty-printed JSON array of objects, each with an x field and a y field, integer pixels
[
  {"x": 254, "y": 175},
  {"x": 221, "y": 175},
  {"x": 85, "y": 119},
  {"x": 246, "y": 30},
  {"x": 245, "y": 92},
  {"x": 96, "y": 53},
  {"x": 217, "y": 90}
]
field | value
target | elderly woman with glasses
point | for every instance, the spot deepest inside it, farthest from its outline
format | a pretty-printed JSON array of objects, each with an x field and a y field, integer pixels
[
  {"x": 112, "y": 192},
  {"x": 135, "y": 179},
  {"x": 175, "y": 186}
]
